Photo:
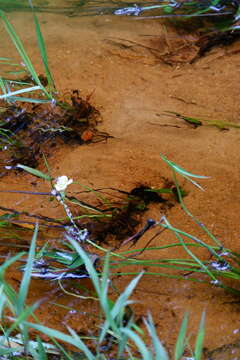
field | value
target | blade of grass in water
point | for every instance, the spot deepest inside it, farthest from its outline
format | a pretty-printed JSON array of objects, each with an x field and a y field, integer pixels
[
  {"x": 180, "y": 345},
  {"x": 10, "y": 94},
  {"x": 43, "y": 52},
  {"x": 27, "y": 273},
  {"x": 25, "y": 99},
  {"x": 63, "y": 337},
  {"x": 159, "y": 350},
  {"x": 200, "y": 338},
  {"x": 19, "y": 46},
  {"x": 146, "y": 355},
  {"x": 35, "y": 172},
  {"x": 176, "y": 169},
  {"x": 194, "y": 257},
  {"x": 2, "y": 85}
]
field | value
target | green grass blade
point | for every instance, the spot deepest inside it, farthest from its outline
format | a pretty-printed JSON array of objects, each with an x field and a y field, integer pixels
[
  {"x": 9, "y": 262},
  {"x": 200, "y": 337},
  {"x": 43, "y": 52},
  {"x": 146, "y": 355},
  {"x": 21, "y": 91},
  {"x": 27, "y": 273},
  {"x": 2, "y": 85},
  {"x": 120, "y": 304},
  {"x": 85, "y": 349},
  {"x": 19, "y": 46},
  {"x": 3, "y": 300},
  {"x": 160, "y": 352},
  {"x": 35, "y": 172},
  {"x": 21, "y": 318},
  {"x": 180, "y": 344},
  {"x": 57, "y": 335},
  {"x": 88, "y": 263},
  {"x": 180, "y": 170},
  {"x": 194, "y": 257},
  {"x": 30, "y": 100},
  {"x": 41, "y": 349}
]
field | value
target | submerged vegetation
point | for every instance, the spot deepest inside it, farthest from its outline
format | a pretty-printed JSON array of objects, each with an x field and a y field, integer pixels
[
  {"x": 40, "y": 120},
  {"x": 119, "y": 333},
  {"x": 94, "y": 237}
]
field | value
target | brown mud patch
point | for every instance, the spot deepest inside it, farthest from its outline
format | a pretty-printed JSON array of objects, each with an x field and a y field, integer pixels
[{"x": 132, "y": 90}]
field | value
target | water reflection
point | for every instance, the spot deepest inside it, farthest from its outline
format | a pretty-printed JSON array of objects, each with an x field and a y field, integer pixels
[{"x": 65, "y": 7}]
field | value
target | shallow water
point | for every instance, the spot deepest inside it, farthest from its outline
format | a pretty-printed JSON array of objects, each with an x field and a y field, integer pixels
[{"x": 121, "y": 62}]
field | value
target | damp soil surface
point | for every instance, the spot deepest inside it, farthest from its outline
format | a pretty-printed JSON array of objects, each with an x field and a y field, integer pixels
[{"x": 137, "y": 71}]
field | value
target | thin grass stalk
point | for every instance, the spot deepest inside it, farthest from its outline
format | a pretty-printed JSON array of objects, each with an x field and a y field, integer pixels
[
  {"x": 19, "y": 46},
  {"x": 119, "y": 304},
  {"x": 160, "y": 352},
  {"x": 41, "y": 349},
  {"x": 200, "y": 338},
  {"x": 190, "y": 214},
  {"x": 181, "y": 342},
  {"x": 43, "y": 52},
  {"x": 178, "y": 231},
  {"x": 146, "y": 354},
  {"x": 17, "y": 92},
  {"x": 198, "y": 261}
]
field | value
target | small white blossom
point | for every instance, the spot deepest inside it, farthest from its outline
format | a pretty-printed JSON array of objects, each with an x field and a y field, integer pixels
[
  {"x": 62, "y": 183},
  {"x": 215, "y": 282}
]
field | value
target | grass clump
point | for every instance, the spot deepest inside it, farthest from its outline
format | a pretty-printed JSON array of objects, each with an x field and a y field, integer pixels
[
  {"x": 11, "y": 88},
  {"x": 220, "y": 269},
  {"x": 118, "y": 334}
]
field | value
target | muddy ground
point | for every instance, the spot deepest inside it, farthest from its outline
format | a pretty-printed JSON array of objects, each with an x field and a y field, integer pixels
[{"x": 132, "y": 87}]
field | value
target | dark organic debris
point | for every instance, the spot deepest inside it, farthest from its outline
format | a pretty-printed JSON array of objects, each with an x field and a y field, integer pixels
[
  {"x": 32, "y": 129},
  {"x": 146, "y": 194},
  {"x": 207, "y": 42},
  {"x": 126, "y": 214},
  {"x": 112, "y": 220}
]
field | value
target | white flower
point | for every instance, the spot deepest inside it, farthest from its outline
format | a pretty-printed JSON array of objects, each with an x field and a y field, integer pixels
[
  {"x": 62, "y": 183},
  {"x": 215, "y": 282}
]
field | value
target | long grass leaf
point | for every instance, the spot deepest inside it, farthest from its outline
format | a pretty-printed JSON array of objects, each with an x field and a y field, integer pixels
[
  {"x": 43, "y": 52},
  {"x": 9, "y": 262},
  {"x": 19, "y": 46},
  {"x": 56, "y": 334},
  {"x": 27, "y": 273},
  {"x": 180, "y": 170},
  {"x": 160, "y": 352},
  {"x": 146, "y": 355},
  {"x": 35, "y": 172},
  {"x": 2, "y": 85},
  {"x": 88, "y": 263},
  {"x": 85, "y": 349},
  {"x": 21, "y": 91},
  {"x": 30, "y": 100},
  {"x": 200, "y": 338},
  {"x": 120, "y": 304},
  {"x": 22, "y": 317},
  {"x": 198, "y": 261},
  {"x": 180, "y": 344},
  {"x": 41, "y": 349}
]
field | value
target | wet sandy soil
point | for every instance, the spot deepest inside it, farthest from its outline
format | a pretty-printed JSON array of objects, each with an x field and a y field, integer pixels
[{"x": 132, "y": 87}]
